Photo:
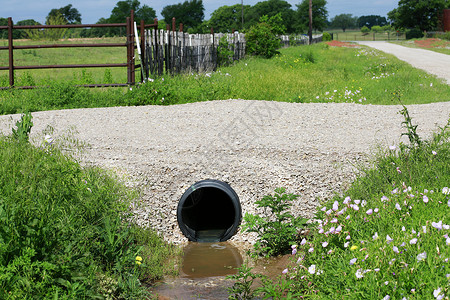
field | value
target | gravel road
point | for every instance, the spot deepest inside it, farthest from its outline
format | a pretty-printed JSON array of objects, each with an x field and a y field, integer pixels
[
  {"x": 255, "y": 146},
  {"x": 432, "y": 62}
]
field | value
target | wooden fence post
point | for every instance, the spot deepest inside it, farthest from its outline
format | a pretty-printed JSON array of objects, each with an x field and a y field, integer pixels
[
  {"x": 143, "y": 71},
  {"x": 11, "y": 52},
  {"x": 133, "y": 74},
  {"x": 128, "y": 51}
]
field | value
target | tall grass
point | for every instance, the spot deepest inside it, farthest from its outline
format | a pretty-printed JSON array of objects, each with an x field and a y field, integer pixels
[
  {"x": 65, "y": 230},
  {"x": 317, "y": 73}
]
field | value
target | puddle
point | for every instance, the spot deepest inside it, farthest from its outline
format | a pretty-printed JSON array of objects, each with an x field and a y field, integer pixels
[
  {"x": 203, "y": 260},
  {"x": 204, "y": 270},
  {"x": 202, "y": 276}
]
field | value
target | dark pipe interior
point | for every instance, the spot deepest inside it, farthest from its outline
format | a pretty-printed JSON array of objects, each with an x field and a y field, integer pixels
[{"x": 209, "y": 212}]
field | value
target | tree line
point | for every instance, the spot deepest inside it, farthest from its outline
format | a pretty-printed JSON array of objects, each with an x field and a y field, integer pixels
[{"x": 424, "y": 15}]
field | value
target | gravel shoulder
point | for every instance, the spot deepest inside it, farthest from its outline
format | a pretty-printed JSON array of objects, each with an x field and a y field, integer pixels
[
  {"x": 432, "y": 62},
  {"x": 256, "y": 146}
]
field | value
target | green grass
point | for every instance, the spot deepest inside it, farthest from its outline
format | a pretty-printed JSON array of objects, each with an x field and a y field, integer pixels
[
  {"x": 386, "y": 236},
  {"x": 65, "y": 229},
  {"x": 440, "y": 46},
  {"x": 395, "y": 239},
  {"x": 317, "y": 73},
  {"x": 63, "y": 56}
]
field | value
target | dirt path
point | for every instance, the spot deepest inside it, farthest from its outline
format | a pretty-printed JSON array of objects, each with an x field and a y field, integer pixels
[{"x": 432, "y": 62}]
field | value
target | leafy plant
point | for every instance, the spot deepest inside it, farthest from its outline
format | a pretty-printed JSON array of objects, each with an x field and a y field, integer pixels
[
  {"x": 414, "y": 138},
  {"x": 23, "y": 130},
  {"x": 225, "y": 52},
  {"x": 262, "y": 39},
  {"x": 242, "y": 287},
  {"x": 326, "y": 37},
  {"x": 279, "y": 229}
]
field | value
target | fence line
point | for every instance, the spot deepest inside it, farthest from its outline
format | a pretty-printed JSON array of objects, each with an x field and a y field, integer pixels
[
  {"x": 297, "y": 40},
  {"x": 178, "y": 52},
  {"x": 129, "y": 45}
]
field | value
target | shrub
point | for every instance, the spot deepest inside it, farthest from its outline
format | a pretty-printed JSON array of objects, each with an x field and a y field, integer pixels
[
  {"x": 225, "y": 52},
  {"x": 262, "y": 38},
  {"x": 365, "y": 29},
  {"x": 414, "y": 33},
  {"x": 326, "y": 37},
  {"x": 444, "y": 36},
  {"x": 277, "y": 231},
  {"x": 377, "y": 29}
]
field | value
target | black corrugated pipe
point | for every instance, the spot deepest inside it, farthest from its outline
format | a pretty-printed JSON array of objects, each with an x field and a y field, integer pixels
[{"x": 209, "y": 211}]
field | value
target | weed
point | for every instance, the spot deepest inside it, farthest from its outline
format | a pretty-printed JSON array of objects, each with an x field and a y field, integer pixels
[
  {"x": 225, "y": 52},
  {"x": 23, "y": 130},
  {"x": 279, "y": 229},
  {"x": 411, "y": 133},
  {"x": 243, "y": 284}
]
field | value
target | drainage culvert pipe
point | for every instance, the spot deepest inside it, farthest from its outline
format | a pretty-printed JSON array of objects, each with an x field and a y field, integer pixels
[{"x": 209, "y": 211}]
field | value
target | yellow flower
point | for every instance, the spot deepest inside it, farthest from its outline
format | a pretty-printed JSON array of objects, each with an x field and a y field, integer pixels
[
  {"x": 353, "y": 247},
  {"x": 138, "y": 260}
]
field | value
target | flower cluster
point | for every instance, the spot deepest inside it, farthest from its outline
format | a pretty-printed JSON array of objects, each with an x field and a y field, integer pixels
[
  {"x": 348, "y": 96},
  {"x": 379, "y": 239}
]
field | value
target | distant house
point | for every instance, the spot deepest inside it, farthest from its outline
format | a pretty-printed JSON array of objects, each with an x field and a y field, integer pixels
[{"x": 446, "y": 21}]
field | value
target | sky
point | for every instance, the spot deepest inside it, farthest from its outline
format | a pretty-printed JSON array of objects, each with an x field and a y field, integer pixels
[{"x": 92, "y": 10}]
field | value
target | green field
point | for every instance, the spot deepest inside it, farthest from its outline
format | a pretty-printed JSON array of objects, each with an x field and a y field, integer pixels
[
  {"x": 29, "y": 57},
  {"x": 357, "y": 35}
]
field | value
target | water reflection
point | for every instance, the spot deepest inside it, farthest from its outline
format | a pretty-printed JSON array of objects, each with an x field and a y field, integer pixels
[{"x": 210, "y": 259}]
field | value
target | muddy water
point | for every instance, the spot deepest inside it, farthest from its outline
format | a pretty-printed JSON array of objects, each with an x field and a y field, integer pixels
[
  {"x": 205, "y": 267},
  {"x": 203, "y": 273}
]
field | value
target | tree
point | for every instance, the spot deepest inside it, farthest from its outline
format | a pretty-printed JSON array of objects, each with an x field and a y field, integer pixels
[
  {"x": 70, "y": 14},
  {"x": 190, "y": 13},
  {"x": 3, "y": 32},
  {"x": 49, "y": 33},
  {"x": 343, "y": 21},
  {"x": 145, "y": 13},
  {"x": 122, "y": 10},
  {"x": 226, "y": 18},
  {"x": 422, "y": 14},
  {"x": 20, "y": 33},
  {"x": 319, "y": 13},
  {"x": 119, "y": 14},
  {"x": 262, "y": 39},
  {"x": 371, "y": 20},
  {"x": 271, "y": 8}
]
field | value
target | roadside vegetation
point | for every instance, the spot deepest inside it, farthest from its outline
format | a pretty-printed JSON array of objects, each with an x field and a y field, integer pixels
[
  {"x": 66, "y": 231},
  {"x": 386, "y": 237},
  {"x": 440, "y": 45},
  {"x": 317, "y": 73}
]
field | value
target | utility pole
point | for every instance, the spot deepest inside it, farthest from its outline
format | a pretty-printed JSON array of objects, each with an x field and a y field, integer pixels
[
  {"x": 310, "y": 22},
  {"x": 242, "y": 14}
]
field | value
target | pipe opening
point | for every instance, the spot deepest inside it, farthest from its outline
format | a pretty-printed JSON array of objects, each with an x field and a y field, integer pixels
[{"x": 209, "y": 211}]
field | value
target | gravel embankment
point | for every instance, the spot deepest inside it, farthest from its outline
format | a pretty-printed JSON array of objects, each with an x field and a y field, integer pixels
[{"x": 255, "y": 146}]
